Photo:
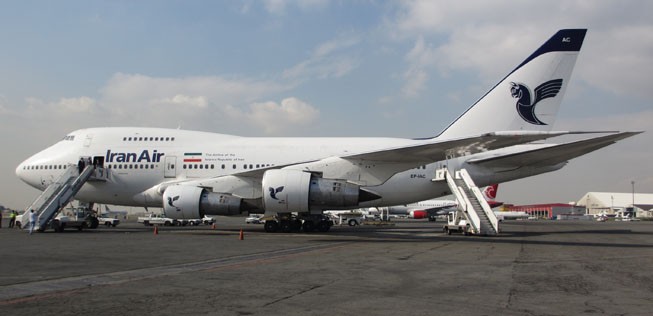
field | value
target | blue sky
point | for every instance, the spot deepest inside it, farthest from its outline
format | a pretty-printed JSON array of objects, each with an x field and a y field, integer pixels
[{"x": 317, "y": 68}]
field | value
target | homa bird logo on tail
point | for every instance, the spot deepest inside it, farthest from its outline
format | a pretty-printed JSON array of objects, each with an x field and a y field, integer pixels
[{"x": 526, "y": 104}]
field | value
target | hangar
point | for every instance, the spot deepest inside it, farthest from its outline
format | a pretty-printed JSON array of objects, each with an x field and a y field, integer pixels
[{"x": 641, "y": 204}]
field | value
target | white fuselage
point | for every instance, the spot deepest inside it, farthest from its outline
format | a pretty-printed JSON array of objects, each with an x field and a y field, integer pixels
[{"x": 139, "y": 159}]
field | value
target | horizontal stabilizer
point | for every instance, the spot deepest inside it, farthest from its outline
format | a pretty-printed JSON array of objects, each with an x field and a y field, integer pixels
[{"x": 552, "y": 154}]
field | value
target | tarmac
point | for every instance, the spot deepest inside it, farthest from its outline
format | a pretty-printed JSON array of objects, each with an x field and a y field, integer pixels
[{"x": 410, "y": 268}]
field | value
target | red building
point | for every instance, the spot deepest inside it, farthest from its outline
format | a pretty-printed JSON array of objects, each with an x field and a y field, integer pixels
[{"x": 548, "y": 211}]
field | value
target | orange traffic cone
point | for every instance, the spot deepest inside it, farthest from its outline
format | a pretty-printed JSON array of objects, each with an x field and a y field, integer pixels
[
  {"x": 156, "y": 229},
  {"x": 213, "y": 226},
  {"x": 241, "y": 237}
]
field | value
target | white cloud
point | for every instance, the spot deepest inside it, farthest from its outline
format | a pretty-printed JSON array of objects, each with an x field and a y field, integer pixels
[
  {"x": 624, "y": 54},
  {"x": 326, "y": 61},
  {"x": 276, "y": 117},
  {"x": 278, "y": 7},
  {"x": 490, "y": 37},
  {"x": 80, "y": 104},
  {"x": 419, "y": 58},
  {"x": 186, "y": 101}
]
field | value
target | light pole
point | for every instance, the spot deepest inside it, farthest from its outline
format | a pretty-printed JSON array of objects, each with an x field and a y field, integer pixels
[{"x": 633, "y": 183}]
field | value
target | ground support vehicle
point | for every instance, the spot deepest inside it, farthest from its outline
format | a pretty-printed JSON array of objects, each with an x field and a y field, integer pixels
[
  {"x": 108, "y": 221},
  {"x": 158, "y": 219},
  {"x": 455, "y": 224}
]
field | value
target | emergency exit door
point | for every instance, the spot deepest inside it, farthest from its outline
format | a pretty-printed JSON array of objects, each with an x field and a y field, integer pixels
[{"x": 170, "y": 170}]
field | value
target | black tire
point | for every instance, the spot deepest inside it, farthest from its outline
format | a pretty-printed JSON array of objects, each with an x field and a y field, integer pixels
[
  {"x": 56, "y": 226},
  {"x": 447, "y": 230},
  {"x": 352, "y": 222},
  {"x": 107, "y": 224},
  {"x": 94, "y": 223},
  {"x": 271, "y": 226},
  {"x": 286, "y": 226},
  {"x": 167, "y": 223},
  {"x": 308, "y": 226},
  {"x": 323, "y": 226}
]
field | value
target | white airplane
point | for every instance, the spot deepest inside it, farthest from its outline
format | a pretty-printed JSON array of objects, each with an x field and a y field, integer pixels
[
  {"x": 434, "y": 207},
  {"x": 191, "y": 174}
]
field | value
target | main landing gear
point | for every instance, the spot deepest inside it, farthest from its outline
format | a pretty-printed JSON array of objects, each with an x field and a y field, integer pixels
[{"x": 288, "y": 223}]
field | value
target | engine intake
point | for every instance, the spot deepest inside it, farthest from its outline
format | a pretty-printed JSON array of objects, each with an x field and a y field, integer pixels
[{"x": 189, "y": 202}]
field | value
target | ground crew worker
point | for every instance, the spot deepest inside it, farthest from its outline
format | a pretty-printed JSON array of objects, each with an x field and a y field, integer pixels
[{"x": 12, "y": 219}]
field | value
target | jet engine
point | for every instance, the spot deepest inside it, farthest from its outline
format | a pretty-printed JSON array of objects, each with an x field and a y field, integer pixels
[
  {"x": 298, "y": 191},
  {"x": 187, "y": 202}
]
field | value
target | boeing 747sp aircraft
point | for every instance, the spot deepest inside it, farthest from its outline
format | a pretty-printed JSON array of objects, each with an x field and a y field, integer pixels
[{"x": 191, "y": 174}]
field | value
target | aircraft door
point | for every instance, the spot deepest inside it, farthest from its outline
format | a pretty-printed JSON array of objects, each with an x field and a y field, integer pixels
[
  {"x": 170, "y": 170},
  {"x": 88, "y": 140}
]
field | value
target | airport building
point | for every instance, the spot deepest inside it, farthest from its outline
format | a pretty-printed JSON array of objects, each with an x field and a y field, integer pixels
[
  {"x": 613, "y": 203},
  {"x": 547, "y": 211}
]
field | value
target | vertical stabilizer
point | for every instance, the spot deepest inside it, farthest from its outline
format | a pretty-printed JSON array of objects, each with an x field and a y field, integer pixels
[{"x": 529, "y": 97}]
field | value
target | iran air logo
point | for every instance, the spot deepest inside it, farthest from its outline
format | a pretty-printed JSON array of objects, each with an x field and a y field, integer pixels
[{"x": 526, "y": 104}]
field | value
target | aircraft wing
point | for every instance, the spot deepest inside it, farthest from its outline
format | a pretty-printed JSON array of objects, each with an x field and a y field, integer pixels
[
  {"x": 376, "y": 167},
  {"x": 551, "y": 155}
]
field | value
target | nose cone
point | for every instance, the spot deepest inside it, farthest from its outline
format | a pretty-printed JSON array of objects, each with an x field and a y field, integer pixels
[{"x": 20, "y": 171}]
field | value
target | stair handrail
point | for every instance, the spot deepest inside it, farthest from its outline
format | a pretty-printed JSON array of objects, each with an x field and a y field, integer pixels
[
  {"x": 463, "y": 202},
  {"x": 494, "y": 221}
]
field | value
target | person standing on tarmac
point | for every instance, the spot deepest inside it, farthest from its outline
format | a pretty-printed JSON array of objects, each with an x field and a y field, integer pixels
[
  {"x": 12, "y": 219},
  {"x": 32, "y": 221}
]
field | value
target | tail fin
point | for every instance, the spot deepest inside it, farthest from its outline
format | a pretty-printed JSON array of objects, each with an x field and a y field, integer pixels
[
  {"x": 490, "y": 192},
  {"x": 541, "y": 80}
]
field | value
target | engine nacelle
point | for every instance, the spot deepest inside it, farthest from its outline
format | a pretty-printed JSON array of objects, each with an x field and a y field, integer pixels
[
  {"x": 297, "y": 191},
  {"x": 189, "y": 202}
]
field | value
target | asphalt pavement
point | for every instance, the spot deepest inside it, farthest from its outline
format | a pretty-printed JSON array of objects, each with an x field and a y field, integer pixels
[{"x": 409, "y": 268}]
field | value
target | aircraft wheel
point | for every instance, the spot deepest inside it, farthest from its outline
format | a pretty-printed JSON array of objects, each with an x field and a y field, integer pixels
[
  {"x": 323, "y": 226},
  {"x": 286, "y": 226},
  {"x": 271, "y": 226},
  {"x": 308, "y": 226}
]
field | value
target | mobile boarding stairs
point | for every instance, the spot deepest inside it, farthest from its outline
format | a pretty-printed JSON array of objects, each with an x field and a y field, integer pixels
[
  {"x": 472, "y": 206},
  {"x": 58, "y": 194}
]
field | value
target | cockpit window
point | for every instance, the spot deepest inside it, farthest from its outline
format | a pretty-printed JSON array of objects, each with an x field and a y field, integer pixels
[{"x": 69, "y": 137}]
